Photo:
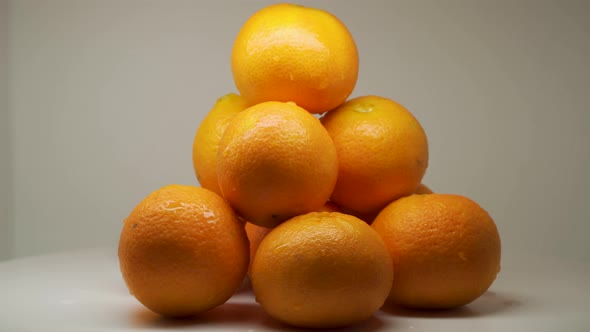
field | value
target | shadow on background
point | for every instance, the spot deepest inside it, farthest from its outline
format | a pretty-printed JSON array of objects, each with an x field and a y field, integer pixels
[
  {"x": 228, "y": 314},
  {"x": 238, "y": 316},
  {"x": 489, "y": 303},
  {"x": 370, "y": 325}
]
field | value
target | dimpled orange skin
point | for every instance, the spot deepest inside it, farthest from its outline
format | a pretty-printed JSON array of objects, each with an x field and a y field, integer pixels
[
  {"x": 382, "y": 153},
  {"x": 207, "y": 139},
  {"x": 257, "y": 233},
  {"x": 287, "y": 52},
  {"x": 182, "y": 251},
  {"x": 276, "y": 161},
  {"x": 322, "y": 270},
  {"x": 445, "y": 248}
]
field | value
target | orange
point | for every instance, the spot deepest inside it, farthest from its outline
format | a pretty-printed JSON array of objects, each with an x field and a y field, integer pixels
[
  {"x": 276, "y": 161},
  {"x": 257, "y": 233},
  {"x": 289, "y": 52},
  {"x": 423, "y": 189},
  {"x": 322, "y": 270},
  {"x": 382, "y": 153},
  {"x": 182, "y": 251},
  {"x": 208, "y": 136},
  {"x": 366, "y": 217},
  {"x": 445, "y": 249},
  {"x": 329, "y": 207}
]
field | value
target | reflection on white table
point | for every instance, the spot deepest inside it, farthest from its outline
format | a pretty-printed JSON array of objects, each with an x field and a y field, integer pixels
[{"x": 84, "y": 291}]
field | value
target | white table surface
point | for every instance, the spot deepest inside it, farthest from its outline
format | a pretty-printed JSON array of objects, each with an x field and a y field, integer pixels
[{"x": 84, "y": 291}]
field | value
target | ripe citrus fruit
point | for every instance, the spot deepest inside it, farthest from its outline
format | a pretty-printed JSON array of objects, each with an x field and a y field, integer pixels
[
  {"x": 423, "y": 189},
  {"x": 207, "y": 139},
  {"x": 366, "y": 217},
  {"x": 382, "y": 153},
  {"x": 322, "y": 270},
  {"x": 276, "y": 161},
  {"x": 329, "y": 207},
  {"x": 289, "y": 52},
  {"x": 445, "y": 249},
  {"x": 182, "y": 251},
  {"x": 257, "y": 233}
]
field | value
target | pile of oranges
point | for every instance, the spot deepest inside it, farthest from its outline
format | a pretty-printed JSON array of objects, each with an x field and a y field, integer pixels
[{"x": 314, "y": 197}]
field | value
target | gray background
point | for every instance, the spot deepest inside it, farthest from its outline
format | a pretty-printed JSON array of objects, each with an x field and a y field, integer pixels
[{"x": 100, "y": 100}]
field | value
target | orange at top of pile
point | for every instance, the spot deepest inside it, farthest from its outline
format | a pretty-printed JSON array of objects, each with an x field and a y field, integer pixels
[
  {"x": 294, "y": 53},
  {"x": 267, "y": 165}
]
